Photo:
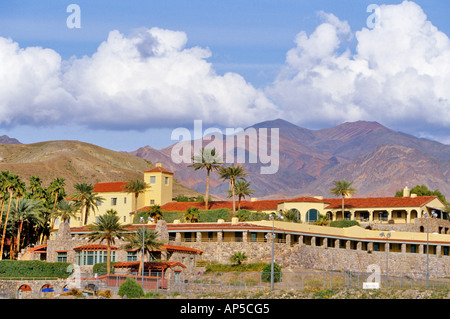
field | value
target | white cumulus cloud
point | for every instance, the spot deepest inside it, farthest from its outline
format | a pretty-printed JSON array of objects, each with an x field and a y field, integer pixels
[
  {"x": 146, "y": 79},
  {"x": 399, "y": 72}
]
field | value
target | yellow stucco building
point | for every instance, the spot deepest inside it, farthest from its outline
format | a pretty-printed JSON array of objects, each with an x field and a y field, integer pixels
[{"x": 159, "y": 192}]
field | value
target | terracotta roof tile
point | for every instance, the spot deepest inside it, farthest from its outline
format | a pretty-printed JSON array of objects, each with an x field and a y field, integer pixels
[
  {"x": 158, "y": 169},
  {"x": 110, "y": 187},
  {"x": 374, "y": 202},
  {"x": 259, "y": 205}
]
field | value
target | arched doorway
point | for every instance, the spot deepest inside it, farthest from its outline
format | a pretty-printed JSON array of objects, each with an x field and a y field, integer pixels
[
  {"x": 47, "y": 288},
  {"x": 312, "y": 215},
  {"x": 295, "y": 215},
  {"x": 24, "y": 291}
]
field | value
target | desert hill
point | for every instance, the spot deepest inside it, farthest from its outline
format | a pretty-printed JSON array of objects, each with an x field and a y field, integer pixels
[{"x": 76, "y": 162}]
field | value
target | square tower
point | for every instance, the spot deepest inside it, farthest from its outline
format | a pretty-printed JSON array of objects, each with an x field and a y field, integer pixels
[{"x": 160, "y": 181}]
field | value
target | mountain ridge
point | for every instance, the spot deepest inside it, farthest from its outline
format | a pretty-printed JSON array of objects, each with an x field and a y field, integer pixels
[{"x": 310, "y": 160}]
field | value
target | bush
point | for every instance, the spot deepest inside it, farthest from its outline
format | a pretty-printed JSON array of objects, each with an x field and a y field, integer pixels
[
  {"x": 100, "y": 268},
  {"x": 104, "y": 293},
  {"x": 33, "y": 268},
  {"x": 131, "y": 289},
  {"x": 266, "y": 274},
  {"x": 344, "y": 223}
]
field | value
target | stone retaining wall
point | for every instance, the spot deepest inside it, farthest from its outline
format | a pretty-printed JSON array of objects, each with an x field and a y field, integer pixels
[{"x": 326, "y": 258}]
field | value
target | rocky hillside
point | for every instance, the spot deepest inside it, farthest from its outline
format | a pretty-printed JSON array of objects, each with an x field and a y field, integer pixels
[{"x": 76, "y": 162}]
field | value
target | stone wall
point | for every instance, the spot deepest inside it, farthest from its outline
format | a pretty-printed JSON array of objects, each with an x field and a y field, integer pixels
[{"x": 326, "y": 258}]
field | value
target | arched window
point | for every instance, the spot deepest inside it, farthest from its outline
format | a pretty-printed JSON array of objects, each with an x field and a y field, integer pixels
[
  {"x": 312, "y": 215},
  {"x": 294, "y": 215}
]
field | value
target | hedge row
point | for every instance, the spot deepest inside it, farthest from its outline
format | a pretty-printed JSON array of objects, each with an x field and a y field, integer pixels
[
  {"x": 212, "y": 215},
  {"x": 33, "y": 268}
]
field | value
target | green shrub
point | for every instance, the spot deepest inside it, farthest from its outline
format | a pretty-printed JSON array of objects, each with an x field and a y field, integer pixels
[
  {"x": 100, "y": 268},
  {"x": 344, "y": 223},
  {"x": 131, "y": 289},
  {"x": 266, "y": 274},
  {"x": 33, "y": 268}
]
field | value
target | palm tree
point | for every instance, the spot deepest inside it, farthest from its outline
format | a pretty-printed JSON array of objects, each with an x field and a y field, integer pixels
[
  {"x": 66, "y": 210},
  {"x": 209, "y": 161},
  {"x": 56, "y": 189},
  {"x": 156, "y": 213},
  {"x": 26, "y": 210},
  {"x": 35, "y": 189},
  {"x": 238, "y": 257},
  {"x": 191, "y": 215},
  {"x": 232, "y": 173},
  {"x": 3, "y": 191},
  {"x": 322, "y": 220},
  {"x": 342, "y": 188},
  {"x": 107, "y": 228},
  {"x": 10, "y": 183},
  {"x": 136, "y": 187},
  {"x": 144, "y": 240},
  {"x": 86, "y": 198},
  {"x": 241, "y": 189}
]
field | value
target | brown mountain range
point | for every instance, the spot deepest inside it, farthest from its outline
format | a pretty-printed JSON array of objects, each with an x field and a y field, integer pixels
[{"x": 378, "y": 160}]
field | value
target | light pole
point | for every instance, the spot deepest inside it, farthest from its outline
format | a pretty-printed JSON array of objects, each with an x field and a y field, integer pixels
[
  {"x": 272, "y": 218},
  {"x": 433, "y": 214},
  {"x": 387, "y": 236},
  {"x": 142, "y": 220}
]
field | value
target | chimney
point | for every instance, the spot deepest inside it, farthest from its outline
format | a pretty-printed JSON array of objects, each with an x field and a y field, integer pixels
[
  {"x": 413, "y": 195},
  {"x": 159, "y": 165},
  {"x": 318, "y": 197},
  {"x": 406, "y": 192},
  {"x": 254, "y": 199}
]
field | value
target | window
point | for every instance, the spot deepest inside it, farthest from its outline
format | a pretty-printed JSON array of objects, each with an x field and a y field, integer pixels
[
  {"x": 131, "y": 255},
  {"x": 177, "y": 276},
  {"x": 124, "y": 200},
  {"x": 124, "y": 219},
  {"x": 152, "y": 179},
  {"x": 91, "y": 257},
  {"x": 166, "y": 180},
  {"x": 61, "y": 256},
  {"x": 152, "y": 202},
  {"x": 113, "y": 201},
  {"x": 253, "y": 237}
]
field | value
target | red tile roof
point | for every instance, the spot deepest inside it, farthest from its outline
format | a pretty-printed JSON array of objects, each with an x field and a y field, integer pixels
[
  {"x": 110, "y": 187},
  {"x": 376, "y": 202},
  {"x": 93, "y": 247},
  {"x": 172, "y": 248},
  {"x": 160, "y": 265},
  {"x": 259, "y": 205},
  {"x": 38, "y": 249},
  {"x": 159, "y": 170}
]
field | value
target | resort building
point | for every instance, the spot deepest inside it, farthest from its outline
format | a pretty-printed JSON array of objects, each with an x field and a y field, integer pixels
[
  {"x": 418, "y": 227},
  {"x": 159, "y": 192}
]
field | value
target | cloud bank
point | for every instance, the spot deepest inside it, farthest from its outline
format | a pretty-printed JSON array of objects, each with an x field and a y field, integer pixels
[
  {"x": 398, "y": 72},
  {"x": 146, "y": 79}
]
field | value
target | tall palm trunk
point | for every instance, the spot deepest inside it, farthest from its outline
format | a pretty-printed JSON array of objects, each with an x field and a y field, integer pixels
[
  {"x": 53, "y": 211},
  {"x": 1, "y": 213},
  {"x": 343, "y": 217},
  {"x": 19, "y": 231},
  {"x": 207, "y": 189},
  {"x": 234, "y": 200},
  {"x": 108, "y": 256},
  {"x": 4, "y": 226}
]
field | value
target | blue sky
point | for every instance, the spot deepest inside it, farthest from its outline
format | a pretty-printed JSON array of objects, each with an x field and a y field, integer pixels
[{"x": 247, "y": 39}]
